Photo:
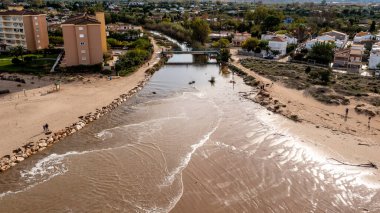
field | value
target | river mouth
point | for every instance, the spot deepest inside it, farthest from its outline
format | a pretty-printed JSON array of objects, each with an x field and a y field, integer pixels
[{"x": 183, "y": 147}]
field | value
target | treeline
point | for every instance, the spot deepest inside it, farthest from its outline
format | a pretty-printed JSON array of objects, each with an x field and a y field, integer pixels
[
  {"x": 174, "y": 30},
  {"x": 139, "y": 52}
]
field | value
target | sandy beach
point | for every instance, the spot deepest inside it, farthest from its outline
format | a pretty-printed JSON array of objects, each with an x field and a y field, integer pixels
[
  {"x": 22, "y": 116},
  {"x": 324, "y": 126}
]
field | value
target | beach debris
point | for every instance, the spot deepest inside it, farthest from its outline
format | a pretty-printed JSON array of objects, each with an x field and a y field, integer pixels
[
  {"x": 191, "y": 82},
  {"x": 366, "y": 165},
  {"x": 363, "y": 144},
  {"x": 153, "y": 93}
]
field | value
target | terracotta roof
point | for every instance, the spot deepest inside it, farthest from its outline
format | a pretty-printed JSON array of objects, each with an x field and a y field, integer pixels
[
  {"x": 356, "y": 52},
  {"x": 19, "y": 13},
  {"x": 362, "y": 33},
  {"x": 279, "y": 39},
  {"x": 82, "y": 19}
]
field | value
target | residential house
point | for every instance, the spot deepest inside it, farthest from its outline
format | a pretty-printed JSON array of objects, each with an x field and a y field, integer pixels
[
  {"x": 269, "y": 35},
  {"x": 84, "y": 40},
  {"x": 339, "y": 37},
  {"x": 374, "y": 57},
  {"x": 362, "y": 36},
  {"x": 320, "y": 39},
  {"x": 350, "y": 59},
  {"x": 279, "y": 44},
  {"x": 25, "y": 28},
  {"x": 239, "y": 38}
]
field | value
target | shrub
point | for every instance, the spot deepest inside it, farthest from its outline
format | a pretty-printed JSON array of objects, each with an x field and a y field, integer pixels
[
  {"x": 106, "y": 72},
  {"x": 307, "y": 70},
  {"x": 16, "y": 61},
  {"x": 28, "y": 58}
]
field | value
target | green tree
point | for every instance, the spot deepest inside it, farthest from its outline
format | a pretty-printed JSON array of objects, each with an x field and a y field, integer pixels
[
  {"x": 17, "y": 51},
  {"x": 271, "y": 23},
  {"x": 200, "y": 29},
  {"x": 372, "y": 28},
  {"x": 322, "y": 52},
  {"x": 222, "y": 43},
  {"x": 224, "y": 56},
  {"x": 250, "y": 44}
]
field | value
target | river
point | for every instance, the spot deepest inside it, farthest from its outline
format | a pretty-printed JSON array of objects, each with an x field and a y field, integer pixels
[{"x": 183, "y": 147}]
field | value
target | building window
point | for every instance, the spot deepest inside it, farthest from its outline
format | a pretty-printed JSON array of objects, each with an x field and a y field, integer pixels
[
  {"x": 35, "y": 18},
  {"x": 80, "y": 28},
  {"x": 84, "y": 58},
  {"x": 38, "y": 41},
  {"x": 36, "y": 23},
  {"x": 83, "y": 51},
  {"x": 82, "y": 43},
  {"x": 81, "y": 35},
  {"x": 38, "y": 36}
]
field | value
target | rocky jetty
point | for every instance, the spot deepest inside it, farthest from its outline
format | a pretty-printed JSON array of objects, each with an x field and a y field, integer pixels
[
  {"x": 20, "y": 154},
  {"x": 261, "y": 95}
]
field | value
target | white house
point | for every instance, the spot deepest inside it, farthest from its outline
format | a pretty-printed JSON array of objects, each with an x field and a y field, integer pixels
[
  {"x": 374, "y": 57},
  {"x": 288, "y": 38},
  {"x": 339, "y": 37},
  {"x": 320, "y": 39},
  {"x": 278, "y": 44},
  {"x": 362, "y": 36}
]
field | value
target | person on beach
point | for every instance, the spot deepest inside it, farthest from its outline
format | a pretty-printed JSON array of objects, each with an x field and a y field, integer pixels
[
  {"x": 345, "y": 117},
  {"x": 369, "y": 122},
  {"x": 46, "y": 127}
]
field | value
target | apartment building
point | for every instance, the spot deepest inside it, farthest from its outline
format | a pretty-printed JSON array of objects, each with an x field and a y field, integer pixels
[
  {"x": 84, "y": 39},
  {"x": 25, "y": 28}
]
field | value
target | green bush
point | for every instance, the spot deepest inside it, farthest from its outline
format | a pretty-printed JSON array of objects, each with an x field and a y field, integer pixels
[{"x": 16, "y": 61}]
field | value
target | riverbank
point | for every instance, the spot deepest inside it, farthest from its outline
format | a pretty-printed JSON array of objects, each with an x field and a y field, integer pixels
[
  {"x": 23, "y": 116},
  {"x": 322, "y": 126}
]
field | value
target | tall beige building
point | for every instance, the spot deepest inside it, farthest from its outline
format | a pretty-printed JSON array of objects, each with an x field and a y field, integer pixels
[
  {"x": 25, "y": 28},
  {"x": 84, "y": 40}
]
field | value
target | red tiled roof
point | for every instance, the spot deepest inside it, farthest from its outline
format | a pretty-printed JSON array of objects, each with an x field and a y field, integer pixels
[
  {"x": 279, "y": 39},
  {"x": 19, "y": 13},
  {"x": 82, "y": 20},
  {"x": 362, "y": 33}
]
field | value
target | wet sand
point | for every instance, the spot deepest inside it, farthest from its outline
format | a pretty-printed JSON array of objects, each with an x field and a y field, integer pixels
[{"x": 325, "y": 127}]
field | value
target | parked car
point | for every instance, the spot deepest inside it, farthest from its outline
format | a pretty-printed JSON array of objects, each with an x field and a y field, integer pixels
[{"x": 269, "y": 57}]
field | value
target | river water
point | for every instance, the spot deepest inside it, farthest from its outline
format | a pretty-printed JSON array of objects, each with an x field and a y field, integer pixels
[{"x": 184, "y": 148}]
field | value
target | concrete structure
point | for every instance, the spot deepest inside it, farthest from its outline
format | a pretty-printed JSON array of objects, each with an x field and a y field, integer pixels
[
  {"x": 338, "y": 38},
  {"x": 25, "y": 28},
  {"x": 363, "y": 36},
  {"x": 321, "y": 39},
  {"x": 374, "y": 57},
  {"x": 278, "y": 44},
  {"x": 101, "y": 18},
  {"x": 84, "y": 40},
  {"x": 239, "y": 38},
  {"x": 269, "y": 35},
  {"x": 349, "y": 59}
]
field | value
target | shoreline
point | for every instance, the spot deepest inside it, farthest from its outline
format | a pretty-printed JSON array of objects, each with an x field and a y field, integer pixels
[
  {"x": 346, "y": 141},
  {"x": 111, "y": 94}
]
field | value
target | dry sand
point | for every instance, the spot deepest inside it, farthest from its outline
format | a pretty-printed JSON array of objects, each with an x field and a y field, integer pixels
[
  {"x": 22, "y": 116},
  {"x": 324, "y": 126}
]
